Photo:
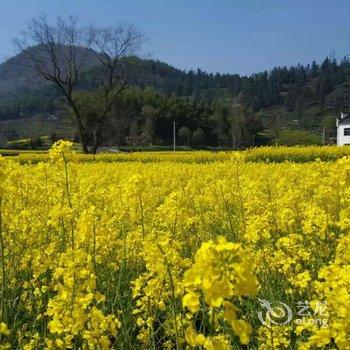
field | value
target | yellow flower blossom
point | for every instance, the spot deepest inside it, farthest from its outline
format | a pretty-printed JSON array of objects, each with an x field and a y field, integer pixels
[{"x": 164, "y": 250}]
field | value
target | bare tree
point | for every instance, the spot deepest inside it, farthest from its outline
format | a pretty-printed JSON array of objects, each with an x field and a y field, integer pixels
[{"x": 61, "y": 52}]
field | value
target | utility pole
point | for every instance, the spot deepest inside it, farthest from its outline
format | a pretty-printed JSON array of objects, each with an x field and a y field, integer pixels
[
  {"x": 174, "y": 135},
  {"x": 323, "y": 136}
]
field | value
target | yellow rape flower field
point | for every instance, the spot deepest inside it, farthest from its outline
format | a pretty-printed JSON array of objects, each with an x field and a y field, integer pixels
[{"x": 163, "y": 254}]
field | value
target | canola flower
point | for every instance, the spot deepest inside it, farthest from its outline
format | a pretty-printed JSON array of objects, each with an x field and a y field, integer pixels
[
  {"x": 267, "y": 154},
  {"x": 221, "y": 272},
  {"x": 164, "y": 251}
]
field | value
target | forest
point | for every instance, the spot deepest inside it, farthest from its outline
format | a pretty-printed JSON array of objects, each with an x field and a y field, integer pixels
[{"x": 286, "y": 105}]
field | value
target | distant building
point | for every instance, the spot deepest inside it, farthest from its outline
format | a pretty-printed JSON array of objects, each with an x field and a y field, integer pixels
[{"x": 343, "y": 129}]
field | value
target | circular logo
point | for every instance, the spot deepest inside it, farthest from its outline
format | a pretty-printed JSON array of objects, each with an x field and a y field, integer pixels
[{"x": 279, "y": 314}]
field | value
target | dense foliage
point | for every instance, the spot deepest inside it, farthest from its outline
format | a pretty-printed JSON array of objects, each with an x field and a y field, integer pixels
[
  {"x": 100, "y": 255},
  {"x": 228, "y": 109}
]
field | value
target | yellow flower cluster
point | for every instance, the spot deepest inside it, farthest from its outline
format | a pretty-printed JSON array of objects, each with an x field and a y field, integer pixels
[
  {"x": 4, "y": 332},
  {"x": 60, "y": 151},
  {"x": 333, "y": 287},
  {"x": 173, "y": 251},
  {"x": 299, "y": 154},
  {"x": 221, "y": 272},
  {"x": 269, "y": 154},
  {"x": 72, "y": 310}
]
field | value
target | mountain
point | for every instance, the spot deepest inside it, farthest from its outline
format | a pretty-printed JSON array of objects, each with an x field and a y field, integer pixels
[
  {"x": 17, "y": 75},
  {"x": 299, "y": 97}
]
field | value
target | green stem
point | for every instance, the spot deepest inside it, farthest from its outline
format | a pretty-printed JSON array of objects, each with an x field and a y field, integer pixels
[
  {"x": 2, "y": 259},
  {"x": 172, "y": 297},
  {"x": 142, "y": 217},
  {"x": 67, "y": 180},
  {"x": 212, "y": 321},
  {"x": 68, "y": 194},
  {"x": 94, "y": 245}
]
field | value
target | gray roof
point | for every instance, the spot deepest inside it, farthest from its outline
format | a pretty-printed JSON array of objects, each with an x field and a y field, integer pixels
[{"x": 345, "y": 120}]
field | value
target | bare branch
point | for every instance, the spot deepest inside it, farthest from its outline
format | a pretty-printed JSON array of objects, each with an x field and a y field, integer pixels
[{"x": 60, "y": 52}]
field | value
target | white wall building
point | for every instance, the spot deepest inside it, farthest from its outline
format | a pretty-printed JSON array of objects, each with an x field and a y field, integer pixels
[{"x": 343, "y": 130}]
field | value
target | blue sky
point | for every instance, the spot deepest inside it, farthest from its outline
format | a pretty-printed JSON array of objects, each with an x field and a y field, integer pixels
[{"x": 235, "y": 36}]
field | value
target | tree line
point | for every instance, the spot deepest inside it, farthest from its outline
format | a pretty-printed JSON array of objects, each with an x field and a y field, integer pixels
[{"x": 115, "y": 98}]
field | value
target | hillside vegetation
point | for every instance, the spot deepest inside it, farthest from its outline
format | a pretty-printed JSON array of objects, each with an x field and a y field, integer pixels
[{"x": 224, "y": 110}]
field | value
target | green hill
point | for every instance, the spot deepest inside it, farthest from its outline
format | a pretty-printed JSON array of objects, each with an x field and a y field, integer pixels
[{"x": 298, "y": 97}]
